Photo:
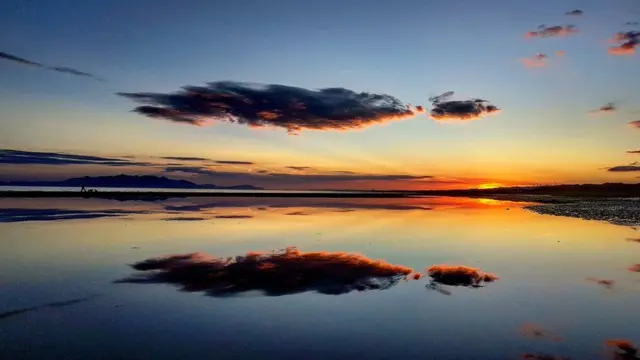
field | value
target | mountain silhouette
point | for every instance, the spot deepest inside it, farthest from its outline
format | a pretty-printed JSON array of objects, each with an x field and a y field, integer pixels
[{"x": 127, "y": 181}]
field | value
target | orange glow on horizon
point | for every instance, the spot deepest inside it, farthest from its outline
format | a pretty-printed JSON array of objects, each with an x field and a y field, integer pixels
[{"x": 490, "y": 186}]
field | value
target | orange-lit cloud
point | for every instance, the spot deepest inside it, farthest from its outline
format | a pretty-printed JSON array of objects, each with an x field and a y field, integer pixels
[
  {"x": 274, "y": 106},
  {"x": 537, "y": 61},
  {"x": 626, "y": 43},
  {"x": 624, "y": 348},
  {"x": 635, "y": 124},
  {"x": 459, "y": 275},
  {"x": 550, "y": 31},
  {"x": 465, "y": 110},
  {"x": 285, "y": 272},
  {"x": 561, "y": 53},
  {"x": 635, "y": 268}
]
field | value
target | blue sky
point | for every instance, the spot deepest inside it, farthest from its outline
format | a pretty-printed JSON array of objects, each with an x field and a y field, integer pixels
[{"x": 409, "y": 49}]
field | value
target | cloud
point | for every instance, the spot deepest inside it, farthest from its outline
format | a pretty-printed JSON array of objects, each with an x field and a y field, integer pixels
[
  {"x": 184, "y": 218},
  {"x": 18, "y": 59},
  {"x": 55, "y": 304},
  {"x": 537, "y": 332},
  {"x": 633, "y": 152},
  {"x": 635, "y": 124},
  {"x": 285, "y": 177},
  {"x": 624, "y": 168},
  {"x": 624, "y": 348},
  {"x": 191, "y": 170},
  {"x": 605, "y": 283},
  {"x": 635, "y": 268},
  {"x": 232, "y": 162},
  {"x": 635, "y": 240},
  {"x": 529, "y": 356},
  {"x": 234, "y": 216},
  {"x": 286, "y": 272},
  {"x": 605, "y": 109},
  {"x": 23, "y": 214},
  {"x": 274, "y": 106},
  {"x": 561, "y": 53},
  {"x": 299, "y": 168},
  {"x": 184, "y": 158},
  {"x": 459, "y": 275},
  {"x": 297, "y": 213},
  {"x": 536, "y": 61},
  {"x": 576, "y": 12},
  {"x": 466, "y": 110},
  {"x": 631, "y": 23},
  {"x": 19, "y": 157},
  {"x": 61, "y": 69},
  {"x": 550, "y": 31},
  {"x": 626, "y": 43}
]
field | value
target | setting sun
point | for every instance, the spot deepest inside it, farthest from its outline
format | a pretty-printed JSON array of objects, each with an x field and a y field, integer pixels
[{"x": 490, "y": 186}]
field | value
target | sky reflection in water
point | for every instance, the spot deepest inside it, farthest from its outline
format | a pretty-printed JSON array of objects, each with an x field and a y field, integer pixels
[{"x": 543, "y": 263}]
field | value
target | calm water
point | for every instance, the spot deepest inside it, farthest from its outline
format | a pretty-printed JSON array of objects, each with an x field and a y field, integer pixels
[
  {"x": 121, "y": 189},
  {"x": 60, "y": 260}
]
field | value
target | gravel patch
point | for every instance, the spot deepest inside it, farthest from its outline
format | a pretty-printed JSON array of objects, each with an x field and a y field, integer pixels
[{"x": 615, "y": 211}]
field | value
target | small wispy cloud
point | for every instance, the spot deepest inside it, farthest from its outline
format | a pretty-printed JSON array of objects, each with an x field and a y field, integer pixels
[
  {"x": 184, "y": 158},
  {"x": 576, "y": 12},
  {"x": 234, "y": 162},
  {"x": 633, "y": 152},
  {"x": 624, "y": 168},
  {"x": 635, "y": 124},
  {"x": 20, "y": 157},
  {"x": 552, "y": 31},
  {"x": 536, "y": 61},
  {"x": 604, "y": 109},
  {"x": 60, "y": 69}
]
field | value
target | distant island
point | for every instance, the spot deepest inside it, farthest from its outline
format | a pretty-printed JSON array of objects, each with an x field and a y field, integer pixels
[{"x": 127, "y": 181}]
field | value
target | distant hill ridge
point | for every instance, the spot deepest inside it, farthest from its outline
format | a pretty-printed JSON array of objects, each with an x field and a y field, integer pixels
[{"x": 127, "y": 181}]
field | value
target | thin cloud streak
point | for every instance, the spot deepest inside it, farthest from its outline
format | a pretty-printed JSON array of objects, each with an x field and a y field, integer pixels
[{"x": 60, "y": 69}]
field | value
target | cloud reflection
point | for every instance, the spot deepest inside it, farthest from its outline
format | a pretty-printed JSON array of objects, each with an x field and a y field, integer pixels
[{"x": 285, "y": 272}]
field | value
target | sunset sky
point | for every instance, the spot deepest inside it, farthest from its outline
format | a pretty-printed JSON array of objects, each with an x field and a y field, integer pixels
[{"x": 71, "y": 73}]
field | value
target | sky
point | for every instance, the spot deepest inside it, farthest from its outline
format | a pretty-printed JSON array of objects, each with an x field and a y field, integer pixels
[{"x": 327, "y": 94}]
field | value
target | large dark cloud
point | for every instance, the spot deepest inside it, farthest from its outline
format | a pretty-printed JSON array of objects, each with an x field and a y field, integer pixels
[
  {"x": 19, "y": 157},
  {"x": 284, "y": 177},
  {"x": 285, "y": 272},
  {"x": 292, "y": 108},
  {"x": 550, "y": 31},
  {"x": 444, "y": 109},
  {"x": 60, "y": 69},
  {"x": 626, "y": 43}
]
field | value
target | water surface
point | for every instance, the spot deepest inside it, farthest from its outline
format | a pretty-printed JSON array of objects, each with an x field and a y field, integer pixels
[{"x": 61, "y": 260}]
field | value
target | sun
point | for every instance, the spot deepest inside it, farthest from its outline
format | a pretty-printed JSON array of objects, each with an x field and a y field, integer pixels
[{"x": 490, "y": 186}]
